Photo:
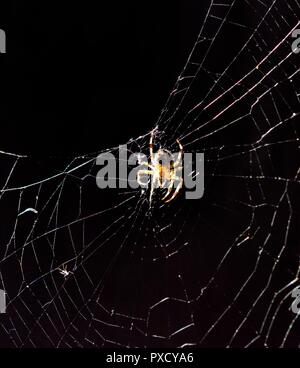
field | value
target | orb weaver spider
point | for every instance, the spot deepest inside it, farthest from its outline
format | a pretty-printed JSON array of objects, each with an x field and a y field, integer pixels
[
  {"x": 163, "y": 175},
  {"x": 64, "y": 271}
]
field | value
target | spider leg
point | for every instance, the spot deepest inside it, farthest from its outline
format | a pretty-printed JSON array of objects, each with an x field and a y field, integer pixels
[
  {"x": 151, "y": 145},
  {"x": 181, "y": 150},
  {"x": 170, "y": 187},
  {"x": 176, "y": 191},
  {"x": 155, "y": 179},
  {"x": 153, "y": 182},
  {"x": 141, "y": 173},
  {"x": 149, "y": 165},
  {"x": 177, "y": 164},
  {"x": 177, "y": 178}
]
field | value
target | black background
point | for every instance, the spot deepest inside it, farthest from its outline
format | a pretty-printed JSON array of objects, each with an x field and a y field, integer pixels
[{"x": 81, "y": 76}]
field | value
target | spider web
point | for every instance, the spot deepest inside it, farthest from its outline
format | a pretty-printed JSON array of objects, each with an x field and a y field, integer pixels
[{"x": 217, "y": 271}]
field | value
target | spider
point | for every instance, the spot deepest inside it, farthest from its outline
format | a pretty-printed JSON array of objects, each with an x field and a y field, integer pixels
[
  {"x": 64, "y": 271},
  {"x": 163, "y": 175}
]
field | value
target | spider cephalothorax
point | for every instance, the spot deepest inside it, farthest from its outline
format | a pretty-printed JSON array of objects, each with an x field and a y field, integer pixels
[{"x": 163, "y": 171}]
